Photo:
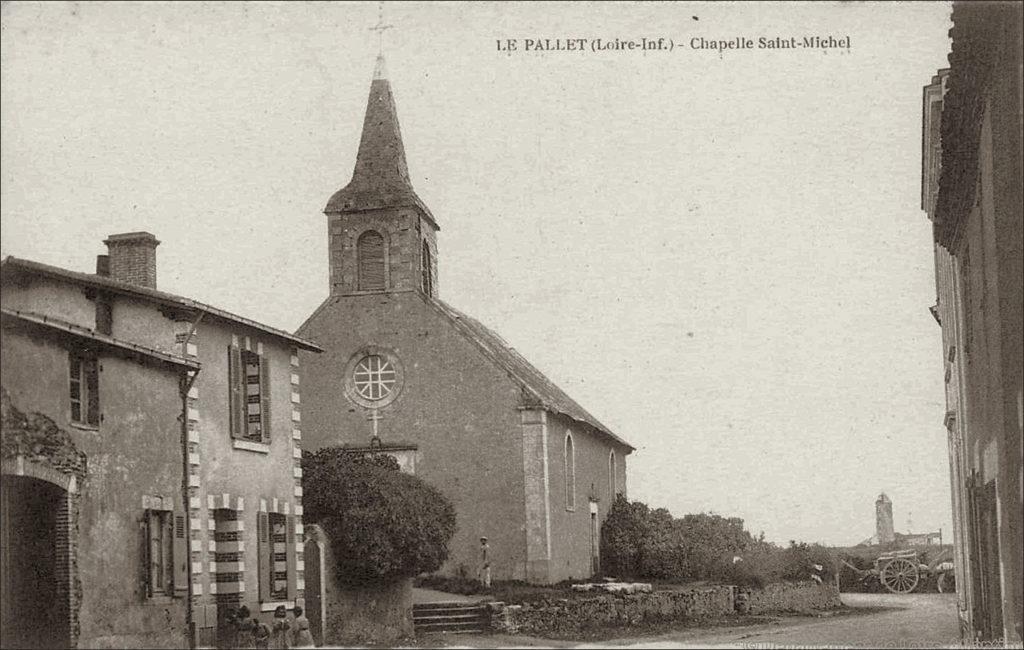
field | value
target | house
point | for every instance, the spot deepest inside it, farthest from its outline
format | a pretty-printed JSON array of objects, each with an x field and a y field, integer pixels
[
  {"x": 971, "y": 191},
  {"x": 524, "y": 464},
  {"x": 187, "y": 419}
]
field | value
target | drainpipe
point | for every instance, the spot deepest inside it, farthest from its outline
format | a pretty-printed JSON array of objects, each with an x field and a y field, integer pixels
[{"x": 186, "y": 385}]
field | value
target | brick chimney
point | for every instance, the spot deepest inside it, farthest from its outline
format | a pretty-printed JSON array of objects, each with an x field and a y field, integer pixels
[{"x": 133, "y": 258}]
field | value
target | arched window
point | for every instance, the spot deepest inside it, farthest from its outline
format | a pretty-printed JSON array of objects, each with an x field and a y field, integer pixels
[
  {"x": 427, "y": 280},
  {"x": 370, "y": 256},
  {"x": 612, "y": 487},
  {"x": 570, "y": 473}
]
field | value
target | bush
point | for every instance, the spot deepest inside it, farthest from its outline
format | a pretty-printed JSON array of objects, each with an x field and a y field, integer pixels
[
  {"x": 383, "y": 525},
  {"x": 640, "y": 543}
]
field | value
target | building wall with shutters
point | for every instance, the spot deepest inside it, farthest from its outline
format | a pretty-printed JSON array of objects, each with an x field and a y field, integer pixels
[
  {"x": 133, "y": 458},
  {"x": 241, "y": 480}
]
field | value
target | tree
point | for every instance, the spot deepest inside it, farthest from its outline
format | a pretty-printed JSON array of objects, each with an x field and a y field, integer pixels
[{"x": 383, "y": 525}]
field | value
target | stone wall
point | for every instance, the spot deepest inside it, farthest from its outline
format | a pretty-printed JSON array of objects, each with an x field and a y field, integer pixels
[
  {"x": 780, "y": 597},
  {"x": 582, "y": 612},
  {"x": 568, "y": 615}
]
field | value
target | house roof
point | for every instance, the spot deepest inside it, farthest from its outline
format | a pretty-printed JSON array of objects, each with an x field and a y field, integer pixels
[
  {"x": 16, "y": 265},
  {"x": 71, "y": 331},
  {"x": 537, "y": 389},
  {"x": 381, "y": 175}
]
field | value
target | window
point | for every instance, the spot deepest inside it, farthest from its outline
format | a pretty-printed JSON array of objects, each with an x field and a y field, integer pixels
[
  {"x": 570, "y": 473},
  {"x": 166, "y": 554},
  {"x": 370, "y": 256},
  {"x": 277, "y": 557},
  {"x": 83, "y": 389},
  {"x": 613, "y": 490},
  {"x": 249, "y": 388},
  {"x": 428, "y": 281},
  {"x": 374, "y": 377}
]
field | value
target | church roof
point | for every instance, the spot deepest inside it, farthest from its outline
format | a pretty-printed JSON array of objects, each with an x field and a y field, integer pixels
[
  {"x": 381, "y": 175},
  {"x": 538, "y": 390}
]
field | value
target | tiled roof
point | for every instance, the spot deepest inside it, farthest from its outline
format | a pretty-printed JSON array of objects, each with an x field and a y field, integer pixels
[
  {"x": 538, "y": 390},
  {"x": 381, "y": 175},
  {"x": 77, "y": 331},
  {"x": 14, "y": 264}
]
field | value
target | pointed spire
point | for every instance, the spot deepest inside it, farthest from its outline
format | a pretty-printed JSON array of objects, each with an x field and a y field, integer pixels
[{"x": 381, "y": 175}]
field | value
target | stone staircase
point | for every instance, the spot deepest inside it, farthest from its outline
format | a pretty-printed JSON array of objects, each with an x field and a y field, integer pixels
[{"x": 453, "y": 618}]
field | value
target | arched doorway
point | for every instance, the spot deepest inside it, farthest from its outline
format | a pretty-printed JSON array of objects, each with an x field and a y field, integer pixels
[{"x": 34, "y": 608}]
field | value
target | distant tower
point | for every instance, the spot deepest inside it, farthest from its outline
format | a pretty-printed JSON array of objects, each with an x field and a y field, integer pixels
[{"x": 883, "y": 520}]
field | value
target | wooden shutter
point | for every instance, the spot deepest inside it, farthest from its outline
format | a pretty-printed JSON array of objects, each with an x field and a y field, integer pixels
[
  {"x": 293, "y": 590},
  {"x": 180, "y": 555},
  {"x": 370, "y": 252},
  {"x": 152, "y": 551},
  {"x": 236, "y": 392},
  {"x": 265, "y": 398},
  {"x": 265, "y": 552},
  {"x": 92, "y": 387}
]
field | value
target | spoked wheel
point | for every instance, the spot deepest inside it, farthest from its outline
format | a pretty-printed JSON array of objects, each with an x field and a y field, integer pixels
[{"x": 900, "y": 576}]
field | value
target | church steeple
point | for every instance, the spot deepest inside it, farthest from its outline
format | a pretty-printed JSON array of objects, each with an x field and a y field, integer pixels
[
  {"x": 381, "y": 175},
  {"x": 382, "y": 235}
]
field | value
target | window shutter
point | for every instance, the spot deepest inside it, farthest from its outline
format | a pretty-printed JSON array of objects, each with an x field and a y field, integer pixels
[
  {"x": 92, "y": 387},
  {"x": 265, "y": 398},
  {"x": 236, "y": 395},
  {"x": 291, "y": 557},
  {"x": 152, "y": 544},
  {"x": 180, "y": 555},
  {"x": 265, "y": 551},
  {"x": 370, "y": 252}
]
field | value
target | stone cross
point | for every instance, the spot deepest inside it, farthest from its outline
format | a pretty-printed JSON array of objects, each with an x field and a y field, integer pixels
[{"x": 374, "y": 417}]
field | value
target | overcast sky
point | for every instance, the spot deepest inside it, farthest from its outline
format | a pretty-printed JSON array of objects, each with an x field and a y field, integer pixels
[{"x": 723, "y": 257}]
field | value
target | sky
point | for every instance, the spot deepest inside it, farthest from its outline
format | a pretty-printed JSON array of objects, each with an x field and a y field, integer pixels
[{"x": 721, "y": 255}]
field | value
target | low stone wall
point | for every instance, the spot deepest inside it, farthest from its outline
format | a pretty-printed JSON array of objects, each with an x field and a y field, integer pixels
[
  {"x": 569, "y": 615},
  {"x": 579, "y": 613},
  {"x": 782, "y": 597}
]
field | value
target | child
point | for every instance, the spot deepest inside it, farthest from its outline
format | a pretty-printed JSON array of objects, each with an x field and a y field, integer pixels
[
  {"x": 301, "y": 636},
  {"x": 261, "y": 634},
  {"x": 279, "y": 635}
]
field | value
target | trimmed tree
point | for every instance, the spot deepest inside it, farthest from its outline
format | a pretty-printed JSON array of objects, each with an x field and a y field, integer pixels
[{"x": 384, "y": 525}]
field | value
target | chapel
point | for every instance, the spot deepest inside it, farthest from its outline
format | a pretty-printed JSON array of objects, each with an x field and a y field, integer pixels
[{"x": 531, "y": 473}]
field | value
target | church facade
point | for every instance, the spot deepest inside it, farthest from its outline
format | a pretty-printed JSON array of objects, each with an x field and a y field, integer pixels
[{"x": 525, "y": 466}]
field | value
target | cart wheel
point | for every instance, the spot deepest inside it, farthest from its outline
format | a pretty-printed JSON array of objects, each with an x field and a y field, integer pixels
[{"x": 900, "y": 576}]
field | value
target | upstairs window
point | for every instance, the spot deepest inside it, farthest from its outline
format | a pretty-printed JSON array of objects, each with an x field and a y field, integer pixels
[
  {"x": 83, "y": 389},
  {"x": 570, "y": 473},
  {"x": 249, "y": 388},
  {"x": 370, "y": 256},
  {"x": 427, "y": 279}
]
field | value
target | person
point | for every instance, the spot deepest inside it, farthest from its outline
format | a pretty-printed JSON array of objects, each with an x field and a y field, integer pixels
[
  {"x": 260, "y": 634},
  {"x": 279, "y": 634},
  {"x": 301, "y": 636},
  {"x": 243, "y": 628}
]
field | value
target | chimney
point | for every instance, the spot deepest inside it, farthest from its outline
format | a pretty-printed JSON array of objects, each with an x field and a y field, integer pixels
[
  {"x": 103, "y": 265},
  {"x": 132, "y": 258}
]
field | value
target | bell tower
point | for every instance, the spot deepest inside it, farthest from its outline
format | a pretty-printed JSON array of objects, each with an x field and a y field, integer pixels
[{"x": 381, "y": 237}]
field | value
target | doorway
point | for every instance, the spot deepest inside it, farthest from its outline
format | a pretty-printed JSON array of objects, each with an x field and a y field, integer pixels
[{"x": 33, "y": 604}]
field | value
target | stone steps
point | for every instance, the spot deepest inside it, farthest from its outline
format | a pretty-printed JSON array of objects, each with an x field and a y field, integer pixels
[{"x": 454, "y": 618}]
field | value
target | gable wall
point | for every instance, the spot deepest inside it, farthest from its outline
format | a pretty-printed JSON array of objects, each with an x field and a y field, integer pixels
[{"x": 455, "y": 404}]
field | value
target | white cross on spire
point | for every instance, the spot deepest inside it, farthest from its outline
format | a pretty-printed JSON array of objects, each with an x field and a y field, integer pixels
[{"x": 380, "y": 28}]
